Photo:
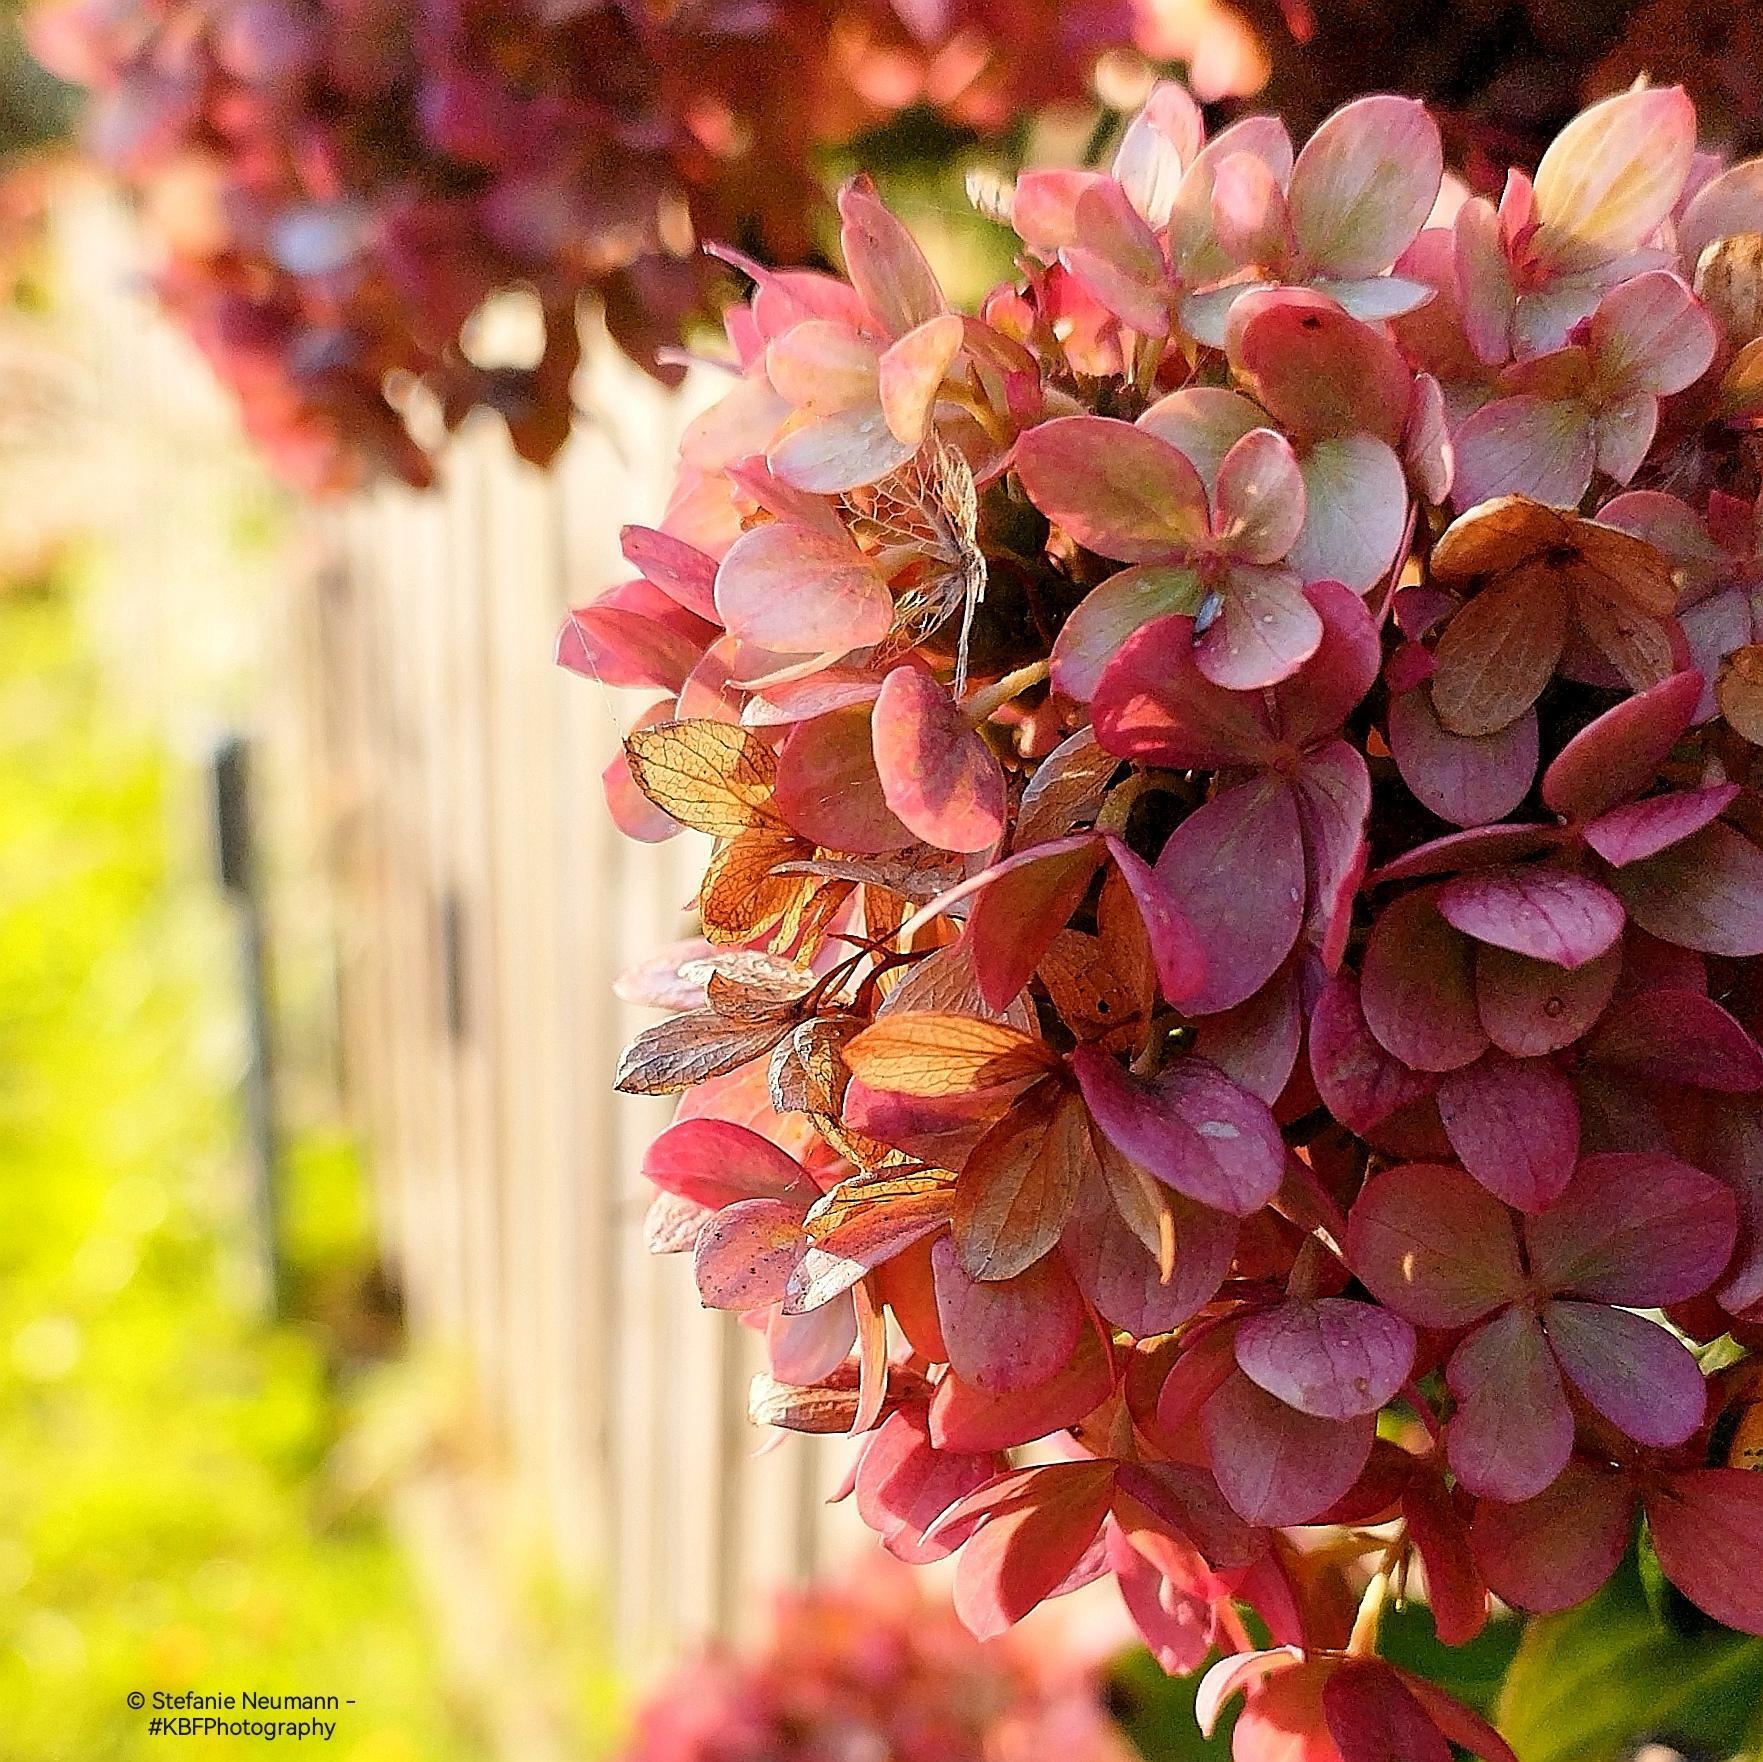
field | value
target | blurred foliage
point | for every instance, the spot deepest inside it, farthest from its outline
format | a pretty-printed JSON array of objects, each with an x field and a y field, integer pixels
[{"x": 167, "y": 1516}]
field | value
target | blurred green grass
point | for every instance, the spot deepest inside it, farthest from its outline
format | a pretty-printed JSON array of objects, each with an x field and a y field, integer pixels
[{"x": 168, "y": 1518}]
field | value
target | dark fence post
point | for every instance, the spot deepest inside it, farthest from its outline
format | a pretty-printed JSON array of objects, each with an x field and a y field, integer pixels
[{"x": 237, "y": 871}]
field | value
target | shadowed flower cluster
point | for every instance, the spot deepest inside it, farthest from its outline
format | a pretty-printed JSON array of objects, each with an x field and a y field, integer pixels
[
  {"x": 870, "y": 1667},
  {"x": 337, "y": 185},
  {"x": 1234, "y": 908}
]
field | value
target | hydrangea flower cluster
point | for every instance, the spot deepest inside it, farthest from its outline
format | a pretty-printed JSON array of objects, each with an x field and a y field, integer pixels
[
  {"x": 339, "y": 184},
  {"x": 1224, "y": 1044},
  {"x": 871, "y": 1667}
]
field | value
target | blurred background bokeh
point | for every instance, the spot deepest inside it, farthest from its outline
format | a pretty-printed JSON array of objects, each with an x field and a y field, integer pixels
[{"x": 331, "y": 1357}]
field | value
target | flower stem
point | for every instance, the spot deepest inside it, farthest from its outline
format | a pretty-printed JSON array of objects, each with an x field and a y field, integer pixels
[{"x": 983, "y": 704}]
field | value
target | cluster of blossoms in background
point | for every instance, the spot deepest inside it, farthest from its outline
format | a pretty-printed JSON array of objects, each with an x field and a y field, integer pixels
[
  {"x": 1231, "y": 944},
  {"x": 871, "y": 1668},
  {"x": 338, "y": 185}
]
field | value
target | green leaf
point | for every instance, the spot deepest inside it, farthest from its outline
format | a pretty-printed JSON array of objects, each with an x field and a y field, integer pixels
[
  {"x": 1157, "y": 1712},
  {"x": 1590, "y": 1684},
  {"x": 1470, "y": 1673}
]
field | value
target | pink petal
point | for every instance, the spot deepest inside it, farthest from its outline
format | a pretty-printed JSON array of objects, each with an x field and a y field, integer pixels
[
  {"x": 1318, "y": 370},
  {"x": 1455, "y": 1589},
  {"x": 1237, "y": 865},
  {"x": 1116, "y": 256},
  {"x": 1704, "y": 893},
  {"x": 1153, "y": 703},
  {"x": 1116, "y": 489},
  {"x": 1365, "y": 183},
  {"x": 1417, "y": 987},
  {"x": 1360, "y": 1083},
  {"x": 807, "y": 1349},
  {"x": 1176, "y": 1624},
  {"x": 904, "y": 1485},
  {"x": 1484, "y": 280},
  {"x": 1642, "y": 829},
  {"x": 1256, "y": 1043},
  {"x": 1250, "y": 221},
  {"x": 1634, "y": 1228},
  {"x": 1471, "y": 849},
  {"x": 965, "y": 1417},
  {"x": 911, "y": 374},
  {"x": 823, "y": 368},
  {"x": 938, "y": 775},
  {"x": 1265, "y": 630},
  {"x": 1315, "y": 701},
  {"x": 613, "y": 643},
  {"x": 1259, "y": 501},
  {"x": 1111, "y": 614},
  {"x": 1043, "y": 210},
  {"x": 828, "y": 788},
  {"x": 1435, "y": 1247},
  {"x": 1118, "y": 1274},
  {"x": 797, "y": 591},
  {"x": 1547, "y": 913},
  {"x": 1023, "y": 1555},
  {"x": 684, "y": 573},
  {"x": 1190, "y": 1126},
  {"x": 1016, "y": 917},
  {"x": 1528, "y": 446},
  {"x": 1470, "y": 780},
  {"x": 715, "y": 1163},
  {"x": 1274, "y": 1464},
  {"x": 1612, "y": 175},
  {"x": 1356, "y": 511},
  {"x": 1707, "y": 1527},
  {"x": 884, "y": 262},
  {"x": 1512, "y": 1433},
  {"x": 1531, "y": 1008},
  {"x": 1243, "y": 1673},
  {"x": 747, "y": 1252},
  {"x": 1006, "y": 1334},
  {"x": 1630, "y": 1369},
  {"x": 1176, "y": 950},
  {"x": 1328, "y": 1357},
  {"x": 1650, "y": 334},
  {"x": 1555, "y": 1550},
  {"x": 1203, "y": 423},
  {"x": 1334, "y": 809},
  {"x": 1514, "y": 1124},
  {"x": 1371, "y": 1714},
  {"x": 845, "y": 450},
  {"x": 1678, "y": 1036},
  {"x": 1621, "y": 753}
]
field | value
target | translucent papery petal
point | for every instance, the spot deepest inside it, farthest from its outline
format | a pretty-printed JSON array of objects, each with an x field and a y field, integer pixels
[
  {"x": 1651, "y": 334},
  {"x": 1371, "y": 1714},
  {"x": 1329, "y": 1357},
  {"x": 963, "y": 1417},
  {"x": 1434, "y": 1246},
  {"x": 1514, "y": 1125},
  {"x": 828, "y": 789},
  {"x": 1634, "y": 1228},
  {"x": 911, "y": 374},
  {"x": 1356, "y": 511},
  {"x": 791, "y": 590},
  {"x": 632, "y": 811},
  {"x": 716, "y": 1162},
  {"x": 1624, "y": 432},
  {"x": 1705, "y": 893},
  {"x": 1264, "y": 631},
  {"x": 1555, "y": 1550},
  {"x": 1043, "y": 209},
  {"x": 1643, "y": 829},
  {"x": 1631, "y": 1370},
  {"x": 1108, "y": 615},
  {"x": 1244, "y": 1673},
  {"x": 1525, "y": 445},
  {"x": 1237, "y": 864},
  {"x": 830, "y": 454},
  {"x": 1203, "y": 423},
  {"x": 1153, "y": 704},
  {"x": 1484, "y": 281},
  {"x": 1417, "y": 986},
  {"x": 1468, "y": 780},
  {"x": 1361, "y": 1085},
  {"x": 1621, "y": 753},
  {"x": 1531, "y": 1008},
  {"x": 1156, "y": 148},
  {"x": 1707, "y": 1527},
  {"x": 807, "y": 1349},
  {"x": 1512, "y": 1433},
  {"x": 1319, "y": 370},
  {"x": 1730, "y": 203},
  {"x": 1365, "y": 183},
  {"x": 883, "y": 260},
  {"x": 822, "y": 367},
  {"x": 1274, "y": 1464},
  {"x": 1116, "y": 489},
  {"x": 1006, "y": 1334},
  {"x": 938, "y": 775},
  {"x": 1259, "y": 500},
  {"x": 1176, "y": 949},
  {"x": 1249, "y": 217},
  {"x": 1118, "y": 1274},
  {"x": 1190, "y": 1126},
  {"x": 1427, "y": 448},
  {"x": 1333, "y": 792},
  {"x": 1022, "y": 1556},
  {"x": 746, "y": 1253},
  {"x": 1547, "y": 913},
  {"x": 1373, "y": 299}
]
